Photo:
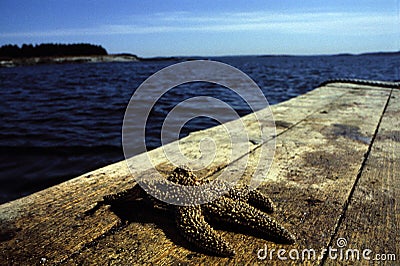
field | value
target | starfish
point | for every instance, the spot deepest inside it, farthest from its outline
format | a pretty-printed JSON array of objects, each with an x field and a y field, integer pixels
[{"x": 239, "y": 205}]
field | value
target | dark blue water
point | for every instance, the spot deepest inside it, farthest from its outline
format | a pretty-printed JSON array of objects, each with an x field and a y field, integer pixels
[{"x": 60, "y": 121}]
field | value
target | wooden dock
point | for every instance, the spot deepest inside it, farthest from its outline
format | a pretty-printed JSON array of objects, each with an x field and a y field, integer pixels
[{"x": 335, "y": 177}]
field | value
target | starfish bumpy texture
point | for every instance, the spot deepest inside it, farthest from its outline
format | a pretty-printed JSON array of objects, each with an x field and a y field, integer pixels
[{"x": 239, "y": 206}]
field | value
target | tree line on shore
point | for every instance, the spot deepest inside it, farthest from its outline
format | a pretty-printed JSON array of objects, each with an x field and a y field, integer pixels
[{"x": 51, "y": 49}]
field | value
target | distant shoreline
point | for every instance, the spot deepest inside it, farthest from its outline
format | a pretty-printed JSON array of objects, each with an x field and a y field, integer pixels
[
  {"x": 48, "y": 60},
  {"x": 51, "y": 60},
  {"x": 340, "y": 54}
]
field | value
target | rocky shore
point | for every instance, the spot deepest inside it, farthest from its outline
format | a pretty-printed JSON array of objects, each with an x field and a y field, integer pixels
[{"x": 67, "y": 60}]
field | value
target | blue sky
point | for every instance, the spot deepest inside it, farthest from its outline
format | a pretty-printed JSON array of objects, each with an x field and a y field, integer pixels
[{"x": 183, "y": 27}]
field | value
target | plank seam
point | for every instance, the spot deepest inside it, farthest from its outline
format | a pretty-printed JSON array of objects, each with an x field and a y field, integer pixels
[
  {"x": 118, "y": 227},
  {"x": 360, "y": 171}
]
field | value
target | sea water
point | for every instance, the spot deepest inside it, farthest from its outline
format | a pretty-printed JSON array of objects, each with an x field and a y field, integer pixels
[{"x": 60, "y": 121}]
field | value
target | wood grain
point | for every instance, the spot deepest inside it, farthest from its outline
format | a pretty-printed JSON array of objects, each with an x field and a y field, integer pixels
[
  {"x": 321, "y": 141},
  {"x": 372, "y": 220}
]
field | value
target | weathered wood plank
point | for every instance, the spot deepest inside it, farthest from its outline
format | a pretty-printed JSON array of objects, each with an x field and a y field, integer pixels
[
  {"x": 318, "y": 132},
  {"x": 372, "y": 220},
  {"x": 247, "y": 246},
  {"x": 30, "y": 220},
  {"x": 314, "y": 169}
]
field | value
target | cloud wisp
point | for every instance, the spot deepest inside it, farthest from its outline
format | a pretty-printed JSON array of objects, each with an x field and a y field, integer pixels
[{"x": 340, "y": 23}]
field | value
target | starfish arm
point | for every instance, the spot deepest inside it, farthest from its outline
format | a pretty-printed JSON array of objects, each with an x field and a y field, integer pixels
[
  {"x": 132, "y": 194},
  {"x": 261, "y": 201},
  {"x": 241, "y": 213},
  {"x": 127, "y": 195},
  {"x": 196, "y": 230},
  {"x": 239, "y": 193},
  {"x": 253, "y": 197}
]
